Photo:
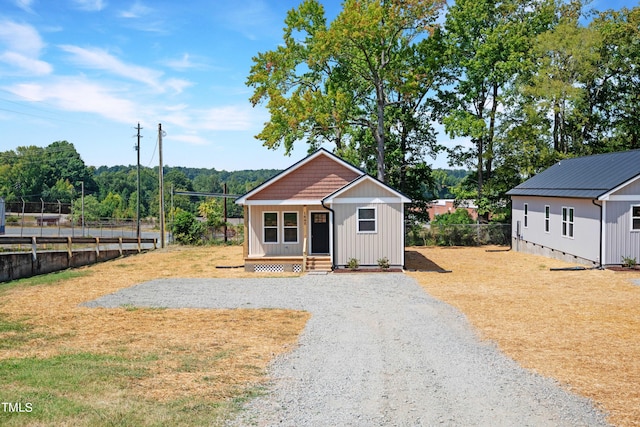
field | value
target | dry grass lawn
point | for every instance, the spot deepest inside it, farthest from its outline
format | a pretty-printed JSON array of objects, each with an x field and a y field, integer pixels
[
  {"x": 579, "y": 327},
  {"x": 208, "y": 354}
]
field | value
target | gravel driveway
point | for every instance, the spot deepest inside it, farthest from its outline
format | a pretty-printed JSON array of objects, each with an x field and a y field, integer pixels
[{"x": 378, "y": 351}]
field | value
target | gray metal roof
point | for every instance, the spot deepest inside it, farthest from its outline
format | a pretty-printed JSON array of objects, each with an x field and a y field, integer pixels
[{"x": 582, "y": 177}]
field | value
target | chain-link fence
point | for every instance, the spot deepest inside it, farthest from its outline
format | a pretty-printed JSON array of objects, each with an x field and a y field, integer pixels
[{"x": 460, "y": 235}]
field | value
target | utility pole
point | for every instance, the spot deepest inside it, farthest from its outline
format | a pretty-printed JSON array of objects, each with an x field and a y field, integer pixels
[
  {"x": 161, "y": 185},
  {"x": 138, "y": 187},
  {"x": 82, "y": 202},
  {"x": 224, "y": 191}
]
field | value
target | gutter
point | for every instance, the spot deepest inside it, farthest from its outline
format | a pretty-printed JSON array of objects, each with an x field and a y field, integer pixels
[{"x": 333, "y": 235}]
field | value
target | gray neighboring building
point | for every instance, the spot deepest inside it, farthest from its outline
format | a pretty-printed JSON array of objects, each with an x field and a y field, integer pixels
[{"x": 584, "y": 210}]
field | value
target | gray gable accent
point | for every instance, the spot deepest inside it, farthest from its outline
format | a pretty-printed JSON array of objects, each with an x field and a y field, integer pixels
[{"x": 583, "y": 177}]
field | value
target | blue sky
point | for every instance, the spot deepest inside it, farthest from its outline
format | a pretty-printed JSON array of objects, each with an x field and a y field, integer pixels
[{"x": 87, "y": 71}]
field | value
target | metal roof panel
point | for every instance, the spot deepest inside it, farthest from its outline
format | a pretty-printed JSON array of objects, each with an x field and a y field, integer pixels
[{"x": 583, "y": 177}]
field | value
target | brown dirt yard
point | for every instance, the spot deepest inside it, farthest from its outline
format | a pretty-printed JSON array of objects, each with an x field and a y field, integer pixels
[{"x": 579, "y": 327}]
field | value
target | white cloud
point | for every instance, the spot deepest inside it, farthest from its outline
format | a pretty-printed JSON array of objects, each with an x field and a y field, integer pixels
[
  {"x": 251, "y": 18},
  {"x": 79, "y": 95},
  {"x": 190, "y": 139},
  {"x": 178, "y": 85},
  {"x": 101, "y": 60},
  {"x": 25, "y": 5},
  {"x": 226, "y": 118},
  {"x": 137, "y": 10},
  {"x": 182, "y": 64},
  {"x": 26, "y": 64},
  {"x": 90, "y": 5},
  {"x": 23, "y": 46},
  {"x": 21, "y": 37}
]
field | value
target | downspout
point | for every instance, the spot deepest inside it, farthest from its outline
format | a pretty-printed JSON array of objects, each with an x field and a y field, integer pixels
[
  {"x": 601, "y": 226},
  {"x": 333, "y": 236}
]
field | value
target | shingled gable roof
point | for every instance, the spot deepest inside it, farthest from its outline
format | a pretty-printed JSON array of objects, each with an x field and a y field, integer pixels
[
  {"x": 298, "y": 190},
  {"x": 588, "y": 177}
]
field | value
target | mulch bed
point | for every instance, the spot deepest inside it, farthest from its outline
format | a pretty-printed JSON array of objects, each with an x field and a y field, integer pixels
[
  {"x": 368, "y": 270},
  {"x": 620, "y": 268}
]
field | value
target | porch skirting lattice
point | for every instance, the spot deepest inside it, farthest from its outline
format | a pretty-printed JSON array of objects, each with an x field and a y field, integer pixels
[{"x": 288, "y": 264}]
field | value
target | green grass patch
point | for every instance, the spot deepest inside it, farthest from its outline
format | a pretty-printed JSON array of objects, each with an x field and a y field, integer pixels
[
  {"x": 15, "y": 333},
  {"x": 86, "y": 389},
  {"x": 44, "y": 279}
]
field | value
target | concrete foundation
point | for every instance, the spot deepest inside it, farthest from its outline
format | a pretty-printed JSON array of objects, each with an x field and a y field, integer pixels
[{"x": 536, "y": 249}]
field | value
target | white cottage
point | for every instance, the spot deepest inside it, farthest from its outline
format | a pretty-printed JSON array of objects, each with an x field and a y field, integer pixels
[
  {"x": 318, "y": 214},
  {"x": 585, "y": 209}
]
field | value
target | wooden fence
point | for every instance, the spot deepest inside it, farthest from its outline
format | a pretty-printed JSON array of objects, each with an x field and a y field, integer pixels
[{"x": 47, "y": 254}]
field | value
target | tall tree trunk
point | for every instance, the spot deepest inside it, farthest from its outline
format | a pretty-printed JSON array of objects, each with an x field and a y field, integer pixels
[
  {"x": 379, "y": 133},
  {"x": 556, "y": 126},
  {"x": 492, "y": 131}
]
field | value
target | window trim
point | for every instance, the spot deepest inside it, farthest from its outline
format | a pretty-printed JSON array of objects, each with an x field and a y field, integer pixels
[
  {"x": 547, "y": 218},
  {"x": 568, "y": 222},
  {"x": 296, "y": 227},
  {"x": 632, "y": 229},
  {"x": 359, "y": 220},
  {"x": 265, "y": 227},
  {"x": 525, "y": 210}
]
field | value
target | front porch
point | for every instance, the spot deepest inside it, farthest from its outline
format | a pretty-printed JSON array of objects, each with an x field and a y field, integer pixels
[{"x": 281, "y": 264}]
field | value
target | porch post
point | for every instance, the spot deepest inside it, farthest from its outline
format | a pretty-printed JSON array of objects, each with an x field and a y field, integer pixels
[
  {"x": 245, "y": 244},
  {"x": 304, "y": 239}
]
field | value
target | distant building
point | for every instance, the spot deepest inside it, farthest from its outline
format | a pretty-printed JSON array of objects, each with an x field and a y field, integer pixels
[{"x": 443, "y": 206}]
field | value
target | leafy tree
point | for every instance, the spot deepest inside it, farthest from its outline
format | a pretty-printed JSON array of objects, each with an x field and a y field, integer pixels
[
  {"x": 62, "y": 190},
  {"x": 213, "y": 211},
  {"x": 567, "y": 57},
  {"x": 487, "y": 43},
  {"x": 112, "y": 206},
  {"x": 91, "y": 209},
  {"x": 339, "y": 79},
  {"x": 615, "y": 86},
  {"x": 65, "y": 163}
]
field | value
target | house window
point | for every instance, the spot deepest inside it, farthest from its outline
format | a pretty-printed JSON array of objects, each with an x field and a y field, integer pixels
[
  {"x": 290, "y": 225},
  {"x": 367, "y": 220},
  {"x": 270, "y": 227},
  {"x": 567, "y": 222},
  {"x": 547, "y": 218},
  {"x": 526, "y": 215},
  {"x": 635, "y": 218}
]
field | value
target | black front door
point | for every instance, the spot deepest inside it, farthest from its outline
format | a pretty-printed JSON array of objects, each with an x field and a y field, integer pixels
[{"x": 319, "y": 232}]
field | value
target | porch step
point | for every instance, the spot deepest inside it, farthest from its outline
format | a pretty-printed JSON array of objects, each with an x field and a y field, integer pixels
[{"x": 318, "y": 264}]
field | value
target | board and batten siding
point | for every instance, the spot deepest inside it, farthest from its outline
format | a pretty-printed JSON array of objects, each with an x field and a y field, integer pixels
[
  {"x": 585, "y": 242},
  {"x": 619, "y": 238},
  {"x": 368, "y": 248},
  {"x": 258, "y": 248}
]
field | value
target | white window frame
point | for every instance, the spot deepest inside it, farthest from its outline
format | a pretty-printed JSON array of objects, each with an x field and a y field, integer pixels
[
  {"x": 547, "y": 218},
  {"x": 359, "y": 220},
  {"x": 525, "y": 211},
  {"x": 568, "y": 222},
  {"x": 635, "y": 217},
  {"x": 289, "y": 227},
  {"x": 265, "y": 227}
]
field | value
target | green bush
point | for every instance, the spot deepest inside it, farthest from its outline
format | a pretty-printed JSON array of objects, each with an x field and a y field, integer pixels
[
  {"x": 353, "y": 264},
  {"x": 383, "y": 263},
  {"x": 186, "y": 229}
]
